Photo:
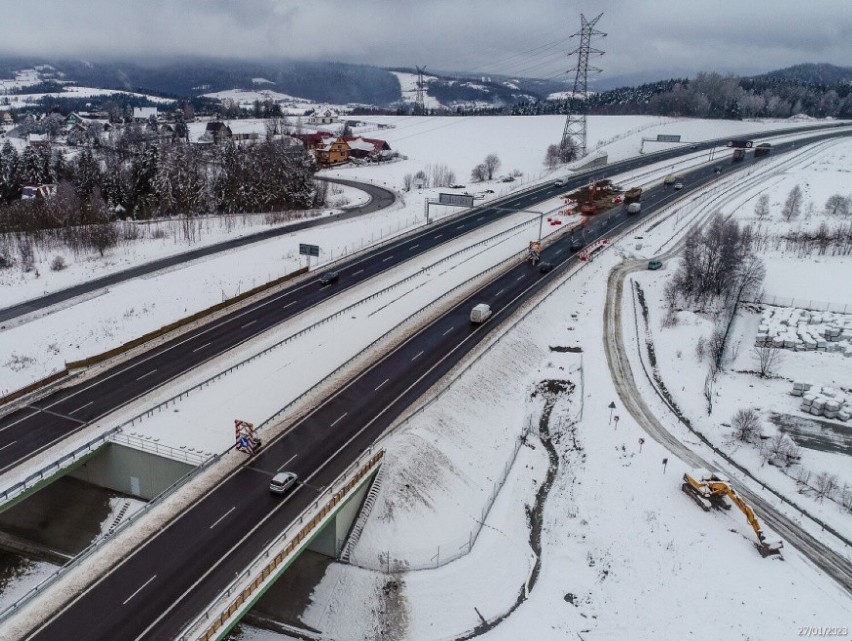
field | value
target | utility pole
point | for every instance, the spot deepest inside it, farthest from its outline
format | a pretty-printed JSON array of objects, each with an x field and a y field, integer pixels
[
  {"x": 574, "y": 134},
  {"x": 419, "y": 104}
]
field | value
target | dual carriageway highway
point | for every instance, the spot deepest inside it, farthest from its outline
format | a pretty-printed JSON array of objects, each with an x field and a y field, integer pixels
[{"x": 161, "y": 586}]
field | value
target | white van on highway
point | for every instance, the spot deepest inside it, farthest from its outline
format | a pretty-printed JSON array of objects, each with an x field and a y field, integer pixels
[{"x": 480, "y": 313}]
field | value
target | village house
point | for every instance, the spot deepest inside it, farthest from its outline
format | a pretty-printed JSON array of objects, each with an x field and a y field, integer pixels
[
  {"x": 217, "y": 131},
  {"x": 372, "y": 148},
  {"x": 332, "y": 151},
  {"x": 144, "y": 113},
  {"x": 326, "y": 117}
]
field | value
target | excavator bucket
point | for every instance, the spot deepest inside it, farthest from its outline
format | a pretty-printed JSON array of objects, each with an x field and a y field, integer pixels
[{"x": 770, "y": 548}]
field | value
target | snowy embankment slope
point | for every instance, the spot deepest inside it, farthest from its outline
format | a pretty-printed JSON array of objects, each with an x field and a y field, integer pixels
[
  {"x": 613, "y": 492},
  {"x": 623, "y": 552}
]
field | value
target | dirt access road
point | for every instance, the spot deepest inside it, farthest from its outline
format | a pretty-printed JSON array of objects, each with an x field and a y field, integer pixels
[{"x": 822, "y": 556}]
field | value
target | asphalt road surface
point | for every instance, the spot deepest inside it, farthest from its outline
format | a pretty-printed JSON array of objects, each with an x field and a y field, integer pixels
[
  {"x": 822, "y": 556},
  {"x": 42, "y": 423},
  {"x": 379, "y": 199},
  {"x": 161, "y": 586},
  {"x": 155, "y": 592}
]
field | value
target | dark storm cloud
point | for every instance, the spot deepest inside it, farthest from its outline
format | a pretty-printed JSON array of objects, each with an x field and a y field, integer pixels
[{"x": 492, "y": 36}]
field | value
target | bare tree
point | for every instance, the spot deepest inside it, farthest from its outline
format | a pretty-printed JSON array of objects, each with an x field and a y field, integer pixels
[
  {"x": 768, "y": 358},
  {"x": 746, "y": 424},
  {"x": 780, "y": 450},
  {"x": 551, "y": 157},
  {"x": 479, "y": 173},
  {"x": 826, "y": 486},
  {"x": 716, "y": 348},
  {"x": 846, "y": 497},
  {"x": 406, "y": 182},
  {"x": 838, "y": 205},
  {"x": 709, "y": 382},
  {"x": 793, "y": 205},
  {"x": 492, "y": 164},
  {"x": 761, "y": 207}
]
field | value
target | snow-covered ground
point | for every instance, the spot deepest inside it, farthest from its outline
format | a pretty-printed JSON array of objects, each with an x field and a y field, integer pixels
[{"x": 638, "y": 558}]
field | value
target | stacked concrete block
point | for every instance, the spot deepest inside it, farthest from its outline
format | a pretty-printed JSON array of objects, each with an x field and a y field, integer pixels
[
  {"x": 823, "y": 401},
  {"x": 802, "y": 330}
]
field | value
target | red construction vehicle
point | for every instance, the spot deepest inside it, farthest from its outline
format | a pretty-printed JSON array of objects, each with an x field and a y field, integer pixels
[{"x": 589, "y": 207}]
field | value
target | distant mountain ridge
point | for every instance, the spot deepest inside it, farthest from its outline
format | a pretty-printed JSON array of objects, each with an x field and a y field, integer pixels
[
  {"x": 817, "y": 73},
  {"x": 325, "y": 82},
  {"x": 344, "y": 83}
]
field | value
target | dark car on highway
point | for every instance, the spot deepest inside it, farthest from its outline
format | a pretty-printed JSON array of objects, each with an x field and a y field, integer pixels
[
  {"x": 328, "y": 278},
  {"x": 545, "y": 267}
]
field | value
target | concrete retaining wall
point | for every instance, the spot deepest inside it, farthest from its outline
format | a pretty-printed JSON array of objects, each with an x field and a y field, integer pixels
[{"x": 131, "y": 471}]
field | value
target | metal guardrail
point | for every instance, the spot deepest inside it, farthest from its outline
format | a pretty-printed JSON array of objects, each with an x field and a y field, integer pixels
[
  {"x": 50, "y": 470},
  {"x": 92, "y": 445},
  {"x": 88, "y": 447},
  {"x": 266, "y": 564},
  {"x": 145, "y": 445},
  {"x": 102, "y": 540}
]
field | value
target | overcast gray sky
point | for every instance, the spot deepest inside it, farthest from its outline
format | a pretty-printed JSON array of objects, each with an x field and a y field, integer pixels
[{"x": 665, "y": 37}]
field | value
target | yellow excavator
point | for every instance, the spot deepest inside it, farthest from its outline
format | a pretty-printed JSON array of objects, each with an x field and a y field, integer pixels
[{"x": 709, "y": 489}]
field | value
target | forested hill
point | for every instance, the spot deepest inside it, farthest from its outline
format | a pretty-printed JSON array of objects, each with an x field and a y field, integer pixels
[{"x": 825, "y": 92}]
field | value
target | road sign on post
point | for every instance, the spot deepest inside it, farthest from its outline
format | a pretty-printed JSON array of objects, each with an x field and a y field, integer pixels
[
  {"x": 456, "y": 200},
  {"x": 309, "y": 250},
  {"x": 641, "y": 443},
  {"x": 611, "y": 407},
  {"x": 665, "y": 462}
]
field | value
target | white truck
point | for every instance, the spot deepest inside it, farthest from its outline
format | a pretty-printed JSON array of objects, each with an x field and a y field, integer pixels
[
  {"x": 480, "y": 313},
  {"x": 634, "y": 208}
]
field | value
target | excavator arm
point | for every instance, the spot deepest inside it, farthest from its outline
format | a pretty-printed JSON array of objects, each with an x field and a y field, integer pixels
[{"x": 704, "y": 487}]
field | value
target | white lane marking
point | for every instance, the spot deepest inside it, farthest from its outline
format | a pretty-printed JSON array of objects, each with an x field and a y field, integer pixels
[
  {"x": 521, "y": 277},
  {"x": 8, "y": 445},
  {"x": 439, "y": 236},
  {"x": 448, "y": 331},
  {"x": 339, "y": 419},
  {"x": 460, "y": 227},
  {"x": 219, "y": 520},
  {"x": 287, "y": 462},
  {"x": 413, "y": 247},
  {"x": 22, "y": 419},
  {"x": 198, "y": 349},
  {"x": 384, "y": 260},
  {"x": 380, "y": 384},
  {"x": 139, "y": 590},
  {"x": 558, "y": 251},
  {"x": 500, "y": 292},
  {"x": 417, "y": 355},
  {"x": 249, "y": 323},
  {"x": 144, "y": 375},
  {"x": 81, "y": 407},
  {"x": 285, "y": 306},
  {"x": 480, "y": 218},
  {"x": 358, "y": 272}
]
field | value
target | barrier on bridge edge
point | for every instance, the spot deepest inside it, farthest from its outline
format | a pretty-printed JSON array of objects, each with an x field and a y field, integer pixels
[{"x": 212, "y": 629}]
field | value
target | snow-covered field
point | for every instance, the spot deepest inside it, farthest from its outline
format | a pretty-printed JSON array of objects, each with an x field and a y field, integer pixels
[{"x": 621, "y": 552}]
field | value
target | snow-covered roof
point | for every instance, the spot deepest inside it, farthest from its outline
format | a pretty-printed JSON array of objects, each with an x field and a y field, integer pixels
[
  {"x": 143, "y": 113},
  {"x": 360, "y": 144}
]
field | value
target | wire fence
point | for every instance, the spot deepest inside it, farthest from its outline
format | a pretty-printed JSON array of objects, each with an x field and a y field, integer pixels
[
  {"x": 387, "y": 564},
  {"x": 801, "y": 303}
]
